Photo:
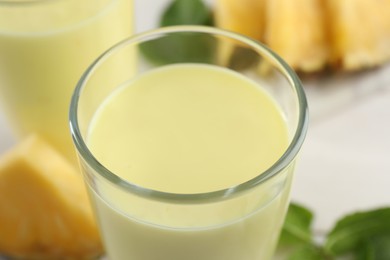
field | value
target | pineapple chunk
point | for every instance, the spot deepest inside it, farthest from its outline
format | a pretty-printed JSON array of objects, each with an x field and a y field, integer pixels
[
  {"x": 296, "y": 31},
  {"x": 44, "y": 208},
  {"x": 244, "y": 16},
  {"x": 312, "y": 34},
  {"x": 360, "y": 32}
]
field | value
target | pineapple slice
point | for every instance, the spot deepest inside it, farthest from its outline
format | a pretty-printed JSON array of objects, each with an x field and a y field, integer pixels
[
  {"x": 360, "y": 32},
  {"x": 296, "y": 31},
  {"x": 44, "y": 208}
]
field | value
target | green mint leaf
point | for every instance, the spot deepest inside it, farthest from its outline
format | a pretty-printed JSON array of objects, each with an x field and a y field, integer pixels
[
  {"x": 307, "y": 253},
  {"x": 297, "y": 226},
  {"x": 186, "y": 12},
  {"x": 302, "y": 252},
  {"x": 188, "y": 47},
  {"x": 241, "y": 58},
  {"x": 375, "y": 248},
  {"x": 354, "y": 231},
  {"x": 296, "y": 240},
  {"x": 175, "y": 48}
]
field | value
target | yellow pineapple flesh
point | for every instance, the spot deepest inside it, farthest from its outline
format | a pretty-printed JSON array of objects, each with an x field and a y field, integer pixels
[
  {"x": 314, "y": 34},
  {"x": 360, "y": 32},
  {"x": 243, "y": 16},
  {"x": 44, "y": 208},
  {"x": 295, "y": 30}
]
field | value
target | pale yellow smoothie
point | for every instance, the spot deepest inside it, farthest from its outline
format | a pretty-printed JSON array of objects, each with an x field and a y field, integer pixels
[
  {"x": 44, "y": 48},
  {"x": 190, "y": 129}
]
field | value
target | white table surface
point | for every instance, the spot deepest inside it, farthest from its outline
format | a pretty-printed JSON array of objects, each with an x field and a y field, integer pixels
[{"x": 345, "y": 163}]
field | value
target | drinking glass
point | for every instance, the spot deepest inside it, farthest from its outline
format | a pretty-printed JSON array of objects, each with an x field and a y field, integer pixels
[
  {"x": 45, "y": 46},
  {"x": 240, "y": 221}
]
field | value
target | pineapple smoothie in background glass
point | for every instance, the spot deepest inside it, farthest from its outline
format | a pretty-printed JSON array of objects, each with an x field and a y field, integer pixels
[
  {"x": 45, "y": 45},
  {"x": 191, "y": 154}
]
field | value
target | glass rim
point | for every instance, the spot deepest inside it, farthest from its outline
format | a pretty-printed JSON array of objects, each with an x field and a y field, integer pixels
[{"x": 282, "y": 163}]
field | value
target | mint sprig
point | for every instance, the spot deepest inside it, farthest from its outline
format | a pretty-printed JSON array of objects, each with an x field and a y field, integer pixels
[
  {"x": 358, "y": 232},
  {"x": 360, "y": 236}
]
